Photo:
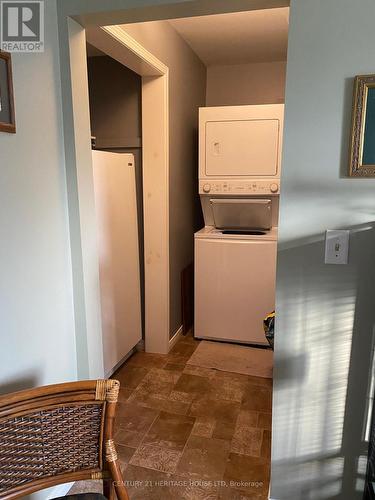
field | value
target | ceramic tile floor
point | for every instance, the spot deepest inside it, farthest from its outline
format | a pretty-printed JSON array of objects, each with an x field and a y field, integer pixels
[{"x": 185, "y": 432}]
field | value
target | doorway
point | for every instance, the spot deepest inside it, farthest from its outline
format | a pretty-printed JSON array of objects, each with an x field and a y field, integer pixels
[
  {"x": 154, "y": 74},
  {"x": 117, "y": 44},
  {"x": 77, "y": 145}
]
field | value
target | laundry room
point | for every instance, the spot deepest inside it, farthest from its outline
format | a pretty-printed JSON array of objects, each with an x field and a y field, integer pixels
[
  {"x": 186, "y": 123},
  {"x": 236, "y": 59}
]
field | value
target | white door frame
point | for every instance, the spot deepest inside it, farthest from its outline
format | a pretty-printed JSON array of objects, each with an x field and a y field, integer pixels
[{"x": 115, "y": 42}]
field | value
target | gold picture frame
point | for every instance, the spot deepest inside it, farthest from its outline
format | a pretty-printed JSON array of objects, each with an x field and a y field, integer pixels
[{"x": 362, "y": 143}]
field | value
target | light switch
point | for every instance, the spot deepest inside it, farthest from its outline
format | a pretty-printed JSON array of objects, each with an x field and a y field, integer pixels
[{"x": 337, "y": 246}]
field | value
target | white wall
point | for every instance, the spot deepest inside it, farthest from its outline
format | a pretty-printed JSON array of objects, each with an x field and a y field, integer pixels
[
  {"x": 253, "y": 83},
  {"x": 36, "y": 308},
  {"x": 325, "y": 314},
  {"x": 187, "y": 88}
]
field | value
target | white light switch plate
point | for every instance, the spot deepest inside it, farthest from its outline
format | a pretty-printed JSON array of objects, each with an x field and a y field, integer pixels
[{"x": 337, "y": 246}]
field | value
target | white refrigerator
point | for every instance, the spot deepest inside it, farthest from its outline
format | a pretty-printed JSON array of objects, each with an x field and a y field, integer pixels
[{"x": 119, "y": 271}]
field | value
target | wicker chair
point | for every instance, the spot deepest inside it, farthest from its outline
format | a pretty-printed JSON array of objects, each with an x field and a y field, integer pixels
[{"x": 58, "y": 434}]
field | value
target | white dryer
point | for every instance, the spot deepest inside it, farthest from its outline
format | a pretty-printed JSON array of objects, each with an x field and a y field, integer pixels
[
  {"x": 235, "y": 253},
  {"x": 242, "y": 143}
]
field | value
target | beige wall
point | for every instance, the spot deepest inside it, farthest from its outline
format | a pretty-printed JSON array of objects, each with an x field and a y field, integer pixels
[
  {"x": 258, "y": 83},
  {"x": 115, "y": 103},
  {"x": 187, "y": 87}
]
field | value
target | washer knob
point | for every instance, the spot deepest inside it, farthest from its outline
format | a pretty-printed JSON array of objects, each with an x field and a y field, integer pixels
[
  {"x": 274, "y": 187},
  {"x": 206, "y": 188}
]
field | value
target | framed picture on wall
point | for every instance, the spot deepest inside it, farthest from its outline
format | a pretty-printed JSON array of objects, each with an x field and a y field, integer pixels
[
  {"x": 362, "y": 143},
  {"x": 7, "y": 117}
]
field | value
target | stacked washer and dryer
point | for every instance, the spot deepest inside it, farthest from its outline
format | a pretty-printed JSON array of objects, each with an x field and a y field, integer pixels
[{"x": 235, "y": 253}]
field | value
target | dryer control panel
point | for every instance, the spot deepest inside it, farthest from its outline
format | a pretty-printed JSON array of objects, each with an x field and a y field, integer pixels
[{"x": 237, "y": 187}]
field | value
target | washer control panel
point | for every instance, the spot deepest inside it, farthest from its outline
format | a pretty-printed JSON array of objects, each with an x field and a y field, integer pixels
[{"x": 234, "y": 187}]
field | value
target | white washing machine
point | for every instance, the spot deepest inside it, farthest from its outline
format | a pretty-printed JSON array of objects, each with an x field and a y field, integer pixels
[
  {"x": 235, "y": 253},
  {"x": 235, "y": 284}
]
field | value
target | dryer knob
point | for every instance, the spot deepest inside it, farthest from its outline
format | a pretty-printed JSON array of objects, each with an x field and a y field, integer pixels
[
  {"x": 206, "y": 188},
  {"x": 274, "y": 187}
]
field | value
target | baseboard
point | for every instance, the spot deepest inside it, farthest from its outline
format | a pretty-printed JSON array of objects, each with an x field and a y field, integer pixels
[
  {"x": 121, "y": 362},
  {"x": 60, "y": 491},
  {"x": 176, "y": 337}
]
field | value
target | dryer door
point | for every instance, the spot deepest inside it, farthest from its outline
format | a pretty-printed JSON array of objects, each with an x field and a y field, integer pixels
[{"x": 242, "y": 148}]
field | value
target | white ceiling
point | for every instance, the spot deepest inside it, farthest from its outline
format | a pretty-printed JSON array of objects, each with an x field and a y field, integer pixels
[{"x": 237, "y": 38}]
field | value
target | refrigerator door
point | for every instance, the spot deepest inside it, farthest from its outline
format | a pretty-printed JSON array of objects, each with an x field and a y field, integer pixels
[{"x": 116, "y": 215}]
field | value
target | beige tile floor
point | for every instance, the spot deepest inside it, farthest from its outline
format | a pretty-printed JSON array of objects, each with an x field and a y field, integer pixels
[{"x": 184, "y": 432}]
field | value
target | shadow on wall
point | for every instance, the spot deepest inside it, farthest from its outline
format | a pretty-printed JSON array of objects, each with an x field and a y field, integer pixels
[
  {"x": 197, "y": 208},
  {"x": 323, "y": 369},
  {"x": 24, "y": 382}
]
